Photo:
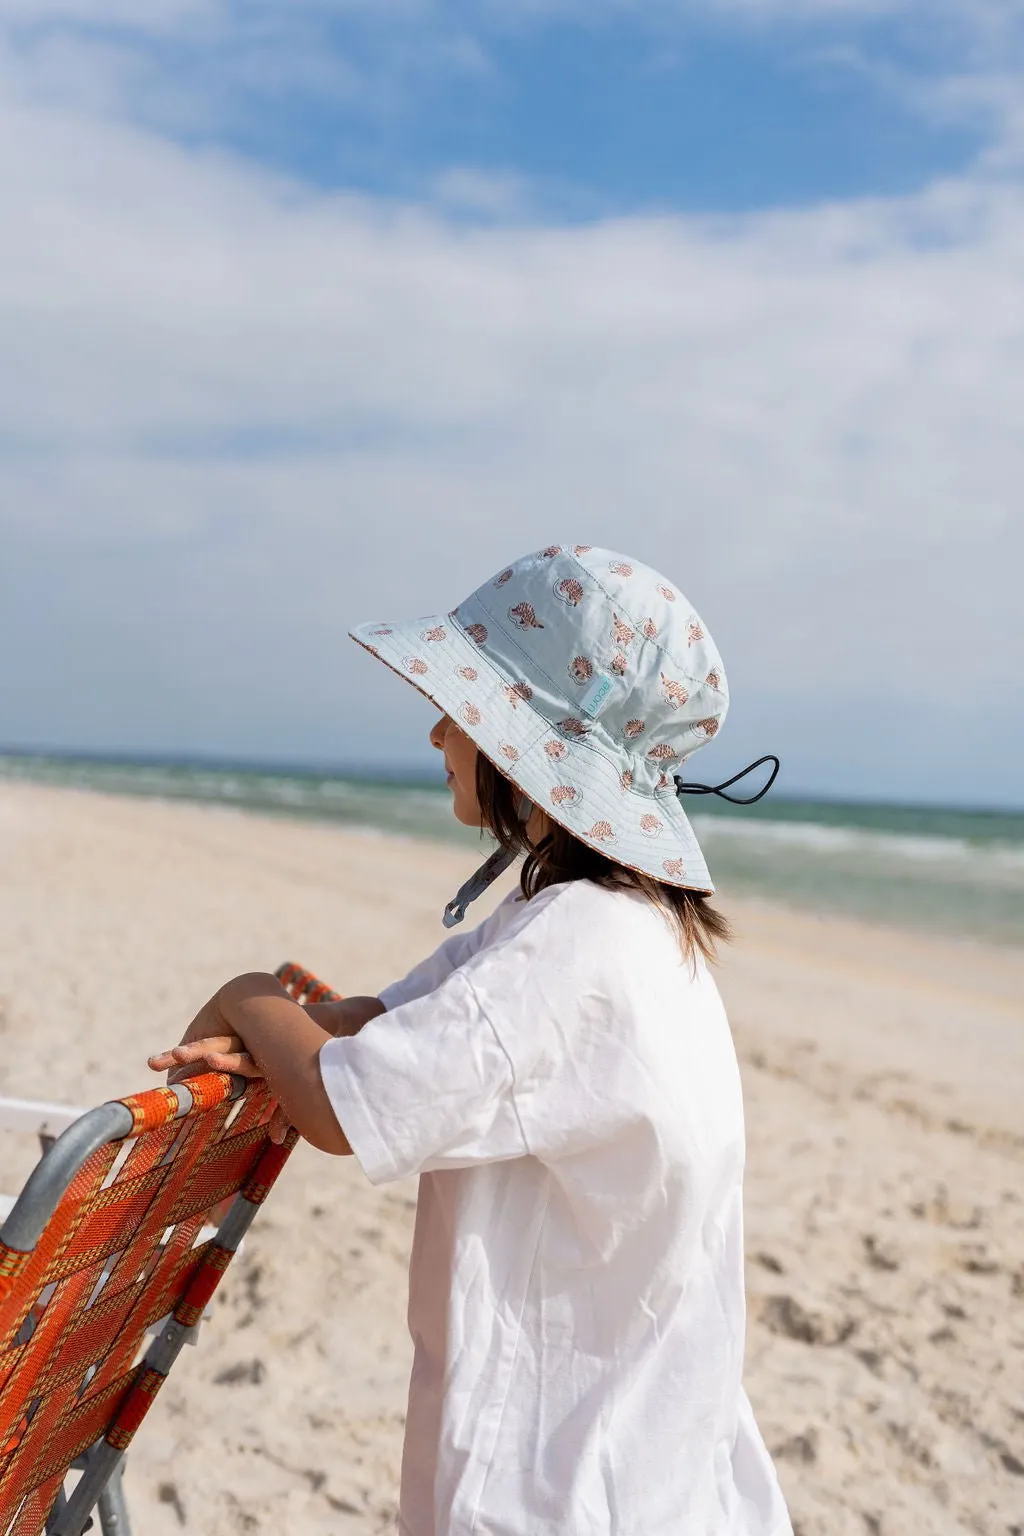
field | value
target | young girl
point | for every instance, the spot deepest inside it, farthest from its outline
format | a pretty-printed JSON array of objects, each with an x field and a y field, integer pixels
[{"x": 562, "y": 1078}]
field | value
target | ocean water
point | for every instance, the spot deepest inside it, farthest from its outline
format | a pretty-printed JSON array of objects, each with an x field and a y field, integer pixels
[{"x": 959, "y": 872}]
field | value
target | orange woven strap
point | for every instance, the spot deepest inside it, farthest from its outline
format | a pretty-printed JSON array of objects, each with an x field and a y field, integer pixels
[
  {"x": 15, "y": 1437},
  {"x": 272, "y": 1160},
  {"x": 159, "y": 1106},
  {"x": 12, "y": 1264},
  {"x": 32, "y": 1515},
  {"x": 304, "y": 986},
  {"x": 202, "y": 1285},
  {"x": 136, "y": 1405},
  {"x": 151, "y": 1109},
  {"x": 19, "y": 1290},
  {"x": 116, "y": 1256},
  {"x": 209, "y": 1090}
]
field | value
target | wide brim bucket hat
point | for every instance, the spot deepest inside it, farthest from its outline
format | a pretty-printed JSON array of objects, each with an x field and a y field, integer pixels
[{"x": 587, "y": 679}]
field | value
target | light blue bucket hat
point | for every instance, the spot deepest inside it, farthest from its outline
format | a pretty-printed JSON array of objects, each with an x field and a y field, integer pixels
[{"x": 587, "y": 679}]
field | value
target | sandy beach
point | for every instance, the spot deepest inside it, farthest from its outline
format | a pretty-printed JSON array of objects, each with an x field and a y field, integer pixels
[{"x": 884, "y": 1077}]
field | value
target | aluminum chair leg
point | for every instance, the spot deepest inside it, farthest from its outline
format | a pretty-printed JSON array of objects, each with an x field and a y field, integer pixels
[
  {"x": 60, "y": 1505},
  {"x": 112, "y": 1507},
  {"x": 97, "y": 1494}
]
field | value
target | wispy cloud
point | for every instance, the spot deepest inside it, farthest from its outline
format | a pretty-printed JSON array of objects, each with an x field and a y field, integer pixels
[
  {"x": 237, "y": 412},
  {"x": 188, "y": 65},
  {"x": 241, "y": 409},
  {"x": 209, "y": 67},
  {"x": 501, "y": 195},
  {"x": 157, "y": 16}
]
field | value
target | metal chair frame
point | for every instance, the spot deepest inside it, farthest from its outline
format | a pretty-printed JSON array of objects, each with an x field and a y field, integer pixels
[{"x": 99, "y": 1250}]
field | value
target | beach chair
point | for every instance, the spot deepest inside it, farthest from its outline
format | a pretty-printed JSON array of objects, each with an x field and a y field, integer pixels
[
  {"x": 43, "y": 1120},
  {"x": 104, "y": 1247}
]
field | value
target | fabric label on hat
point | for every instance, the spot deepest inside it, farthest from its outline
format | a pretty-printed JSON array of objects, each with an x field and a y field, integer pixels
[{"x": 596, "y": 696}]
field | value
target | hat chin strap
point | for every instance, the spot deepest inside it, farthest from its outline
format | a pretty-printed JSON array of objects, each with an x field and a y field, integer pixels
[
  {"x": 486, "y": 875},
  {"x": 501, "y": 858},
  {"x": 682, "y": 788}
]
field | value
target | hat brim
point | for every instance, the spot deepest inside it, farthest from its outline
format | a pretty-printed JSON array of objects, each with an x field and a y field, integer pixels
[{"x": 569, "y": 779}]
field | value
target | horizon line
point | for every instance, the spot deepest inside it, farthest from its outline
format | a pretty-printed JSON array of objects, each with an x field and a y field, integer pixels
[{"x": 369, "y": 771}]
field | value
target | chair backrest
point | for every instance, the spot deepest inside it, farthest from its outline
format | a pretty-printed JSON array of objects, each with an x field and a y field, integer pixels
[{"x": 100, "y": 1245}]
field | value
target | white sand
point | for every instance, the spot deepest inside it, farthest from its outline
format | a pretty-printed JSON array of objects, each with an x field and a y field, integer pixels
[{"x": 885, "y": 1200}]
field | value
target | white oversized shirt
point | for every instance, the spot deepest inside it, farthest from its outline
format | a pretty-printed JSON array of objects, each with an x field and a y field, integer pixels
[{"x": 567, "y": 1088}]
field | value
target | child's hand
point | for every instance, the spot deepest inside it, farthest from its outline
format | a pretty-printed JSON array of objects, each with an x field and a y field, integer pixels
[
  {"x": 251, "y": 1026},
  {"x": 218, "y": 1053}
]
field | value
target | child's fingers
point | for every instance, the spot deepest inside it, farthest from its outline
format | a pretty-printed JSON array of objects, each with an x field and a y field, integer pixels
[
  {"x": 239, "y": 1062},
  {"x": 208, "y": 1046},
  {"x": 278, "y": 1127},
  {"x": 195, "y": 1050}
]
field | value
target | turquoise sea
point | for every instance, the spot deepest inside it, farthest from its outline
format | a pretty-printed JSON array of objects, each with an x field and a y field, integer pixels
[{"x": 954, "y": 871}]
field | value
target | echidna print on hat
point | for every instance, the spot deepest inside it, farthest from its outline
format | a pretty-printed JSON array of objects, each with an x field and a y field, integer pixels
[{"x": 587, "y": 679}]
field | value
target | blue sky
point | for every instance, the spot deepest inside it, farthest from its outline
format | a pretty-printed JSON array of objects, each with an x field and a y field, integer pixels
[
  {"x": 319, "y": 310},
  {"x": 597, "y": 109},
  {"x": 610, "y": 115}
]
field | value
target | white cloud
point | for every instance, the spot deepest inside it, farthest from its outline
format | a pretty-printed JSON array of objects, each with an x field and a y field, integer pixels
[
  {"x": 213, "y": 68},
  {"x": 488, "y": 194},
  {"x": 960, "y": 59},
  {"x": 238, "y": 414},
  {"x": 155, "y": 15}
]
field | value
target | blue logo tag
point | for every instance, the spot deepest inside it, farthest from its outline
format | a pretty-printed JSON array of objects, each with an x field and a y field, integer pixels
[{"x": 596, "y": 696}]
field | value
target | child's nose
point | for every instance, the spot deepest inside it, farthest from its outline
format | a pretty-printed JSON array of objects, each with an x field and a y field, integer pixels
[{"x": 438, "y": 733}]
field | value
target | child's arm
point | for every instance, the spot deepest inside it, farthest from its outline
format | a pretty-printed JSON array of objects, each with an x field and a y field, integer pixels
[
  {"x": 345, "y": 1017},
  {"x": 284, "y": 1043}
]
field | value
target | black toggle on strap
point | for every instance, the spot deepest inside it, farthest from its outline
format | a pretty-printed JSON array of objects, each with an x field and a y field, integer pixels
[{"x": 719, "y": 789}]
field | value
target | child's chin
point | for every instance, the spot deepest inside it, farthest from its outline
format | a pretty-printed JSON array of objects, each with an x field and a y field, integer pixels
[{"x": 469, "y": 816}]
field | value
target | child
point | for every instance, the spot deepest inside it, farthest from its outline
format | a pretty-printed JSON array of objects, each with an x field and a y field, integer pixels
[{"x": 562, "y": 1078}]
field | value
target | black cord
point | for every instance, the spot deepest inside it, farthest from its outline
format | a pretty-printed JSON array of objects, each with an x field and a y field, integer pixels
[{"x": 719, "y": 789}]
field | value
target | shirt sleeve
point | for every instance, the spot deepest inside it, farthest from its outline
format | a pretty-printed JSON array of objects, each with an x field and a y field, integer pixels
[
  {"x": 425, "y": 1086},
  {"x": 519, "y": 1052}
]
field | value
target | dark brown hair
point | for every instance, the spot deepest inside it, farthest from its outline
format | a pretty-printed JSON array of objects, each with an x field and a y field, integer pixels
[{"x": 560, "y": 856}]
